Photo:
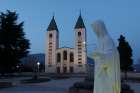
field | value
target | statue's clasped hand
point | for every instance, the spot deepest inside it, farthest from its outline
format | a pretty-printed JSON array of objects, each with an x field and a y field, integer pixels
[{"x": 105, "y": 69}]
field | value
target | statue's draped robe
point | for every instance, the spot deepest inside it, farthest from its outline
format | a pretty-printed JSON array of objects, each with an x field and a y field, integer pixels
[{"x": 107, "y": 64}]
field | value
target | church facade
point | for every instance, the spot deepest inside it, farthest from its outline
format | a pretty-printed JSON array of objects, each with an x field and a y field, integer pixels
[{"x": 66, "y": 60}]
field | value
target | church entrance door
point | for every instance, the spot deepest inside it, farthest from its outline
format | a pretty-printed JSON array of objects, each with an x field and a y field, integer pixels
[{"x": 65, "y": 69}]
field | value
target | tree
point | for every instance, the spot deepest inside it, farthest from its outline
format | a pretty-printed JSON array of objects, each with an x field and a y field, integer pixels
[
  {"x": 13, "y": 44},
  {"x": 125, "y": 52}
]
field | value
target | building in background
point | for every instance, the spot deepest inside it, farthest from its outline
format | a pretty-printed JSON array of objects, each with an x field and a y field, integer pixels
[{"x": 65, "y": 59}]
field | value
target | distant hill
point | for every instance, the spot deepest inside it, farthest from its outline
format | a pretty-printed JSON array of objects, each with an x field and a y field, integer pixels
[
  {"x": 32, "y": 58},
  {"x": 137, "y": 67}
]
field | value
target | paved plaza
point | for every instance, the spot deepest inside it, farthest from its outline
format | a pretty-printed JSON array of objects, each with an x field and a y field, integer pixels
[
  {"x": 53, "y": 86},
  {"x": 135, "y": 86}
]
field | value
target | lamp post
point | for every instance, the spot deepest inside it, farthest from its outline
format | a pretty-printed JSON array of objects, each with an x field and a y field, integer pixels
[
  {"x": 37, "y": 75},
  {"x": 38, "y": 64},
  {"x": 17, "y": 67}
]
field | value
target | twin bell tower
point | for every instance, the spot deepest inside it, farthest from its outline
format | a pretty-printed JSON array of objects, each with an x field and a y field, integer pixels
[{"x": 65, "y": 59}]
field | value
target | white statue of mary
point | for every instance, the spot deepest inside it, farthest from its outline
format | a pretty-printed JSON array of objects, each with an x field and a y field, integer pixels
[{"x": 107, "y": 62}]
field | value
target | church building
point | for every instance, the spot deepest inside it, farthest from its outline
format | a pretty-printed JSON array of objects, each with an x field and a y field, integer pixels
[{"x": 66, "y": 60}]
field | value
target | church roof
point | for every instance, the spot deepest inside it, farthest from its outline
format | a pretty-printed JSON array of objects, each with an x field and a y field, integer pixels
[
  {"x": 52, "y": 25},
  {"x": 79, "y": 23}
]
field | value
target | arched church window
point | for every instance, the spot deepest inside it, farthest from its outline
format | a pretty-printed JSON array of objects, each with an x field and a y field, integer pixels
[
  {"x": 79, "y": 33},
  {"x": 65, "y": 55},
  {"x": 71, "y": 57},
  {"x": 58, "y": 57},
  {"x": 50, "y": 35}
]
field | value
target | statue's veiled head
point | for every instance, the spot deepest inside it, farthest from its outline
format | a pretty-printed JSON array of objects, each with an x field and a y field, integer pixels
[{"x": 99, "y": 28}]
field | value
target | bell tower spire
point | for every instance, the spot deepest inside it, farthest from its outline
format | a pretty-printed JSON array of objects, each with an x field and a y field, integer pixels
[
  {"x": 52, "y": 25},
  {"x": 80, "y": 45},
  {"x": 51, "y": 45},
  {"x": 80, "y": 22}
]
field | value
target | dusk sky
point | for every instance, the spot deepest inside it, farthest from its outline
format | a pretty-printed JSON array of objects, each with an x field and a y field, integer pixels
[{"x": 120, "y": 17}]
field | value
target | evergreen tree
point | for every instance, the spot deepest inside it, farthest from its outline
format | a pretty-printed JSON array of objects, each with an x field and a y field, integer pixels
[
  {"x": 13, "y": 44},
  {"x": 125, "y": 52}
]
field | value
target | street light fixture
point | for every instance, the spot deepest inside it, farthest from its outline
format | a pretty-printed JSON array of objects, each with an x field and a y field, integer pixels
[
  {"x": 38, "y": 64},
  {"x": 17, "y": 68}
]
